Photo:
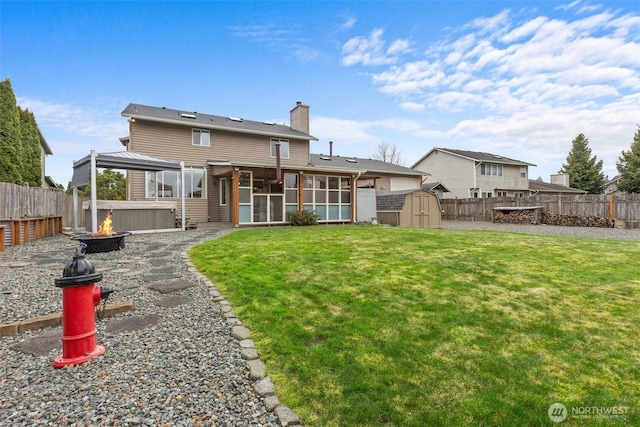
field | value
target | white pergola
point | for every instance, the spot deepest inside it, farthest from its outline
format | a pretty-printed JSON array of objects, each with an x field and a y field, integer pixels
[{"x": 84, "y": 172}]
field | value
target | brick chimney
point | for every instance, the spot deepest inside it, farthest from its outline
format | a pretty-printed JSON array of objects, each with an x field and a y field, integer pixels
[{"x": 300, "y": 117}]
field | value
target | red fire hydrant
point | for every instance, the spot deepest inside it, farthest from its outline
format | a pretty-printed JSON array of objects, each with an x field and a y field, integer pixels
[{"x": 80, "y": 296}]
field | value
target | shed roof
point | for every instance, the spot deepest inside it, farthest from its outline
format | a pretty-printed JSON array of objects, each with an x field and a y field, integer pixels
[
  {"x": 208, "y": 121},
  {"x": 393, "y": 201}
]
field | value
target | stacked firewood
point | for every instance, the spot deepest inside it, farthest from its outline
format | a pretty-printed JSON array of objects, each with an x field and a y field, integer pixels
[
  {"x": 527, "y": 216},
  {"x": 576, "y": 220}
]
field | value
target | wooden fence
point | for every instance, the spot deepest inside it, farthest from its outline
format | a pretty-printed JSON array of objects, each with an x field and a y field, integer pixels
[
  {"x": 17, "y": 201},
  {"x": 624, "y": 207}
]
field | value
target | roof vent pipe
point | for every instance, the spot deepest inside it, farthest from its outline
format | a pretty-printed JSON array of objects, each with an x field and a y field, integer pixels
[{"x": 330, "y": 148}]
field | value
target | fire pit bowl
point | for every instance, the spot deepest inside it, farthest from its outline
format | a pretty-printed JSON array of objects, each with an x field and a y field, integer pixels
[{"x": 96, "y": 244}]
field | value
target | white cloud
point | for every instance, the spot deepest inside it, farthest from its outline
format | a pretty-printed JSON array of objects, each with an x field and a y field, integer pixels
[
  {"x": 348, "y": 23},
  {"x": 72, "y": 131},
  {"x": 371, "y": 50},
  {"x": 88, "y": 122},
  {"x": 527, "y": 84}
]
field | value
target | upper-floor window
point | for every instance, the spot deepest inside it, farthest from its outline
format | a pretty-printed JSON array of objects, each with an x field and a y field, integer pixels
[
  {"x": 284, "y": 148},
  {"x": 490, "y": 169},
  {"x": 201, "y": 138},
  {"x": 523, "y": 171}
]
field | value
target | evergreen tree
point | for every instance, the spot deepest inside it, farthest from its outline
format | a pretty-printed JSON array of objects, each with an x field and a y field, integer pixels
[
  {"x": 629, "y": 167},
  {"x": 585, "y": 172},
  {"x": 10, "y": 139},
  {"x": 31, "y": 151},
  {"x": 110, "y": 185}
]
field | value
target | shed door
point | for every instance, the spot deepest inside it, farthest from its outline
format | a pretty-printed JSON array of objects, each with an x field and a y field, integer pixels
[{"x": 421, "y": 207}]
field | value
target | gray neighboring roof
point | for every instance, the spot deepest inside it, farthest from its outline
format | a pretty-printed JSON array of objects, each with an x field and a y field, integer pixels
[
  {"x": 367, "y": 165},
  {"x": 545, "y": 187},
  {"x": 208, "y": 121},
  {"x": 435, "y": 186},
  {"x": 478, "y": 156},
  {"x": 393, "y": 201},
  {"x": 43, "y": 142}
]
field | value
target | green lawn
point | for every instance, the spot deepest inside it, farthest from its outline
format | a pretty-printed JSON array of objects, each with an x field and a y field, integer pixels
[{"x": 364, "y": 325}]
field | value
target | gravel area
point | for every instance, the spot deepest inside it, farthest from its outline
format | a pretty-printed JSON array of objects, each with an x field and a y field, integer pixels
[
  {"x": 550, "y": 230},
  {"x": 187, "y": 370}
]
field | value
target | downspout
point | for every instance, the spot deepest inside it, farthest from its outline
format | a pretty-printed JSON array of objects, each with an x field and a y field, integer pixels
[
  {"x": 278, "y": 167},
  {"x": 475, "y": 178},
  {"x": 355, "y": 197},
  {"x": 182, "y": 203}
]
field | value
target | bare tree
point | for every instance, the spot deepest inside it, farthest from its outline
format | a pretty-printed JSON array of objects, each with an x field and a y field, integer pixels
[{"x": 388, "y": 153}]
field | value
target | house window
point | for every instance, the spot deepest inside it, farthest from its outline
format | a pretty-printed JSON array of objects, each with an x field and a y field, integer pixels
[
  {"x": 166, "y": 184},
  {"x": 223, "y": 191},
  {"x": 284, "y": 148},
  {"x": 502, "y": 193},
  {"x": 328, "y": 196},
  {"x": 201, "y": 137},
  {"x": 195, "y": 183},
  {"x": 245, "y": 197},
  {"x": 490, "y": 169},
  {"x": 486, "y": 195},
  {"x": 290, "y": 192},
  {"x": 523, "y": 172}
]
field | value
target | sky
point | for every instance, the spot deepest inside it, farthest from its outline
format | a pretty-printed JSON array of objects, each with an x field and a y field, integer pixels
[{"x": 520, "y": 79}]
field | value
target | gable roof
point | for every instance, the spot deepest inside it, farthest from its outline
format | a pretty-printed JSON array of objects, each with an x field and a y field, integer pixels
[
  {"x": 368, "y": 165},
  {"x": 393, "y": 201},
  {"x": 435, "y": 186},
  {"x": 545, "y": 187},
  {"x": 477, "y": 156},
  {"x": 208, "y": 121}
]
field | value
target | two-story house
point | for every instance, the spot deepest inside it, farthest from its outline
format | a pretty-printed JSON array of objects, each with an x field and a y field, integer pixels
[
  {"x": 250, "y": 172},
  {"x": 472, "y": 174}
]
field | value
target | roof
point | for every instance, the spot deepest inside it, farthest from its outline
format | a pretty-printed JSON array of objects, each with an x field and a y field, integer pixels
[
  {"x": 477, "y": 156},
  {"x": 129, "y": 160},
  {"x": 363, "y": 165},
  {"x": 208, "y": 121},
  {"x": 545, "y": 187},
  {"x": 393, "y": 201},
  {"x": 435, "y": 186},
  {"x": 43, "y": 142}
]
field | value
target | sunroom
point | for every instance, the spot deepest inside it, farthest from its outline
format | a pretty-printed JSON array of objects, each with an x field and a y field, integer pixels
[{"x": 255, "y": 195}]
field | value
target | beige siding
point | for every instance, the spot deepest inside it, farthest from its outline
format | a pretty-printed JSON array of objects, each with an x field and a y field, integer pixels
[
  {"x": 173, "y": 142},
  {"x": 404, "y": 183},
  {"x": 383, "y": 183}
]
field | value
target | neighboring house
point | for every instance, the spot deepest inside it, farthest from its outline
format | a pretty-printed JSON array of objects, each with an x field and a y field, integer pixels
[
  {"x": 250, "y": 172},
  {"x": 435, "y": 187},
  {"x": 472, "y": 174},
  {"x": 45, "y": 150},
  {"x": 611, "y": 186},
  {"x": 539, "y": 187}
]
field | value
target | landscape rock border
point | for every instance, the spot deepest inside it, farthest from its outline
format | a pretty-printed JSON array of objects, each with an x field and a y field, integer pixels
[{"x": 263, "y": 384}]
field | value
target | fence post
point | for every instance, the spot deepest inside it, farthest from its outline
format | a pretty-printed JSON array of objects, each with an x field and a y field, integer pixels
[
  {"x": 559, "y": 204},
  {"x": 611, "y": 206}
]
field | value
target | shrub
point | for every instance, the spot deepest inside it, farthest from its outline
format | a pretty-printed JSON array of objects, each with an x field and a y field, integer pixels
[{"x": 303, "y": 217}]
